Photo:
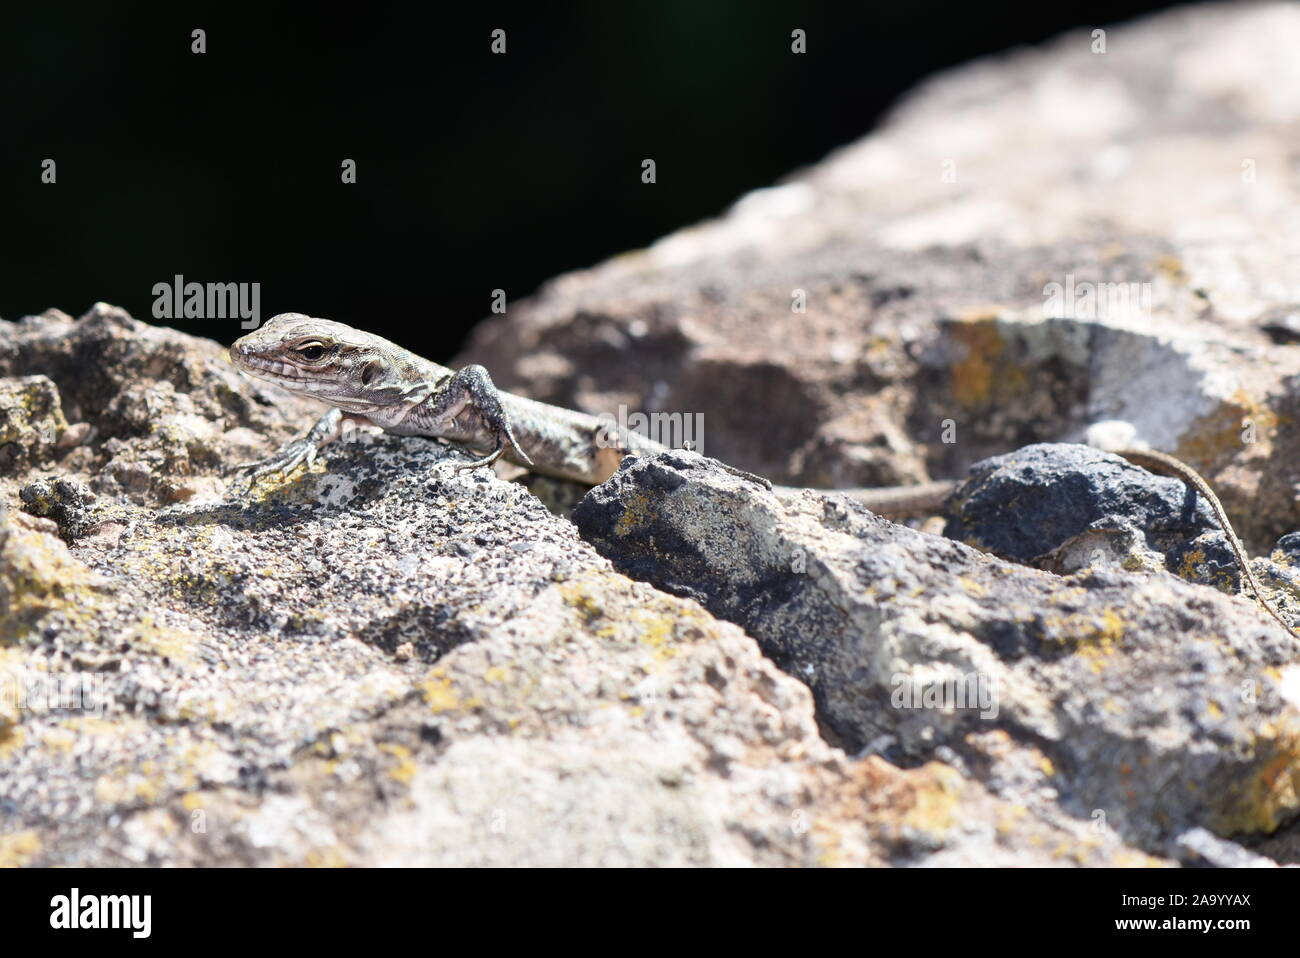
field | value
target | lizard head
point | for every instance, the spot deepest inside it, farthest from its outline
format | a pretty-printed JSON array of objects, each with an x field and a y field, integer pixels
[{"x": 322, "y": 360}]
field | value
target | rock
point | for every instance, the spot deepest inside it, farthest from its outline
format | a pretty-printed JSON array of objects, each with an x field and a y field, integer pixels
[
  {"x": 44, "y": 591},
  {"x": 1065, "y": 508},
  {"x": 321, "y": 675},
  {"x": 374, "y": 661},
  {"x": 1027, "y": 503},
  {"x": 32, "y": 426},
  {"x": 1200, "y": 848},
  {"x": 151, "y": 407},
  {"x": 377, "y": 661},
  {"x": 929, "y": 296},
  {"x": 1149, "y": 704}
]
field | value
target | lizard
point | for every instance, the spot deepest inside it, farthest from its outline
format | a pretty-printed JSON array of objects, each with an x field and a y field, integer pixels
[{"x": 369, "y": 380}]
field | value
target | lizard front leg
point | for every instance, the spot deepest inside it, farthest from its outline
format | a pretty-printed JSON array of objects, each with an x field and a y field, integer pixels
[
  {"x": 472, "y": 388},
  {"x": 297, "y": 451}
]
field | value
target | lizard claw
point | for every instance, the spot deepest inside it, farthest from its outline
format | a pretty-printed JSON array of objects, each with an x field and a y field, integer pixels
[
  {"x": 524, "y": 459},
  {"x": 487, "y": 460},
  {"x": 295, "y": 452},
  {"x": 287, "y": 458}
]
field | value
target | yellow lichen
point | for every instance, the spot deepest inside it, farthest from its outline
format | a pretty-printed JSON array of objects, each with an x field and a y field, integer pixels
[
  {"x": 58, "y": 740},
  {"x": 295, "y": 485},
  {"x": 19, "y": 848},
  {"x": 576, "y": 594},
  {"x": 1095, "y": 639},
  {"x": 1171, "y": 266},
  {"x": 1271, "y": 794},
  {"x": 636, "y": 513},
  {"x": 178, "y": 645},
  {"x": 405, "y": 769},
  {"x": 1192, "y": 561},
  {"x": 332, "y": 857},
  {"x": 656, "y": 631},
  {"x": 980, "y": 369},
  {"x": 40, "y": 576},
  {"x": 439, "y": 694},
  {"x": 11, "y": 740},
  {"x": 934, "y": 800},
  {"x": 1009, "y": 818},
  {"x": 1218, "y": 436}
]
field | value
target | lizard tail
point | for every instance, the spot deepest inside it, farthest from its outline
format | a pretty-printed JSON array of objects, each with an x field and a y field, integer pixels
[{"x": 895, "y": 502}]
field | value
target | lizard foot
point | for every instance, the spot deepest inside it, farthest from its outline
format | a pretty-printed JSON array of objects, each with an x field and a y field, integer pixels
[
  {"x": 487, "y": 460},
  {"x": 295, "y": 452},
  {"x": 287, "y": 458},
  {"x": 472, "y": 386}
]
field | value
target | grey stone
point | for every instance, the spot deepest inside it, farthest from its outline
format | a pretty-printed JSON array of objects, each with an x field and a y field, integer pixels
[
  {"x": 378, "y": 661},
  {"x": 1156, "y": 705},
  {"x": 1198, "y": 847},
  {"x": 924, "y": 255},
  {"x": 359, "y": 666}
]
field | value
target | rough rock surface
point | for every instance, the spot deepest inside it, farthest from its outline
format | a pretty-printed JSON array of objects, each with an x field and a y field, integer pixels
[
  {"x": 377, "y": 661},
  {"x": 154, "y": 413},
  {"x": 921, "y": 258},
  {"x": 1140, "y": 700},
  {"x": 1070, "y": 507}
]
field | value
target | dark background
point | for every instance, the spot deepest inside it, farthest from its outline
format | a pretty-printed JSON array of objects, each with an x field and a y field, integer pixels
[{"x": 475, "y": 171}]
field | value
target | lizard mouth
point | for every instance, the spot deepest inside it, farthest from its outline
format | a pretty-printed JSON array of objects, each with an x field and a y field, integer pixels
[
  {"x": 258, "y": 364},
  {"x": 275, "y": 371}
]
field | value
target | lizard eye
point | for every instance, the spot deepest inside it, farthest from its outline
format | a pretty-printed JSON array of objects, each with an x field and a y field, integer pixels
[{"x": 311, "y": 351}]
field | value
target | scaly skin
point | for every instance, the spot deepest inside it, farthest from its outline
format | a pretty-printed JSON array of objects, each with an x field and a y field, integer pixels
[{"x": 371, "y": 380}]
